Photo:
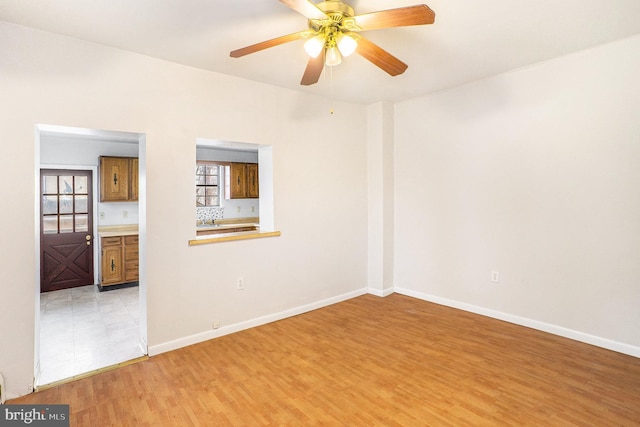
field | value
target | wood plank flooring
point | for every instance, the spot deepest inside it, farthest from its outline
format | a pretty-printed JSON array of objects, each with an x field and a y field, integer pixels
[{"x": 369, "y": 361}]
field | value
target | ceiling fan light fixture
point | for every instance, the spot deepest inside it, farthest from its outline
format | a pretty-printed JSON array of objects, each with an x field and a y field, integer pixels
[
  {"x": 333, "y": 56},
  {"x": 314, "y": 45},
  {"x": 347, "y": 44},
  {"x": 334, "y": 31}
]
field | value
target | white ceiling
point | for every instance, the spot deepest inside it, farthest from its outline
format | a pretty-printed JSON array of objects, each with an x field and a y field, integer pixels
[{"x": 470, "y": 40}]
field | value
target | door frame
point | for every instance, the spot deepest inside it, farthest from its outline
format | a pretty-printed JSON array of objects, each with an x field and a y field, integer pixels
[{"x": 142, "y": 223}]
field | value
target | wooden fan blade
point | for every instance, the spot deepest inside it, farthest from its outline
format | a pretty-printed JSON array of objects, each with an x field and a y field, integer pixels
[
  {"x": 313, "y": 71},
  {"x": 270, "y": 43},
  {"x": 401, "y": 17},
  {"x": 380, "y": 57},
  {"x": 306, "y": 9}
]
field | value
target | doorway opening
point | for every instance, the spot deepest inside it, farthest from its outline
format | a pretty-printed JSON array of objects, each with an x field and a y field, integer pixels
[{"x": 79, "y": 327}]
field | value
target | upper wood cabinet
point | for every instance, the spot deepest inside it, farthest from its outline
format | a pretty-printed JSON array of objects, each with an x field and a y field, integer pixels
[
  {"x": 237, "y": 181},
  {"x": 243, "y": 181},
  {"x": 252, "y": 180},
  {"x": 133, "y": 179},
  {"x": 118, "y": 179}
]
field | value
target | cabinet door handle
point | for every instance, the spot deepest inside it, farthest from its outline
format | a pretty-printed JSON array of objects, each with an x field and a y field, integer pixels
[
  {"x": 115, "y": 179},
  {"x": 113, "y": 265},
  {"x": 238, "y": 180}
]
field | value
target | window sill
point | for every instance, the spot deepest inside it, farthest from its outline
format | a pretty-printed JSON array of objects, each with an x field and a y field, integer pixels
[{"x": 230, "y": 237}]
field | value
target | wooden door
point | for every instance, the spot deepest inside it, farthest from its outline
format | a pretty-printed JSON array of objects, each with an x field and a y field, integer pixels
[
  {"x": 114, "y": 179},
  {"x": 66, "y": 229}
]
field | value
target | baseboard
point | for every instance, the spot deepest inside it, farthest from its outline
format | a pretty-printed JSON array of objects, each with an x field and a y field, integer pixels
[
  {"x": 252, "y": 323},
  {"x": 380, "y": 293},
  {"x": 530, "y": 323}
]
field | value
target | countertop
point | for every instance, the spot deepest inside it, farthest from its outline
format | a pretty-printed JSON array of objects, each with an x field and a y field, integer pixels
[
  {"x": 230, "y": 229},
  {"x": 118, "y": 230},
  {"x": 230, "y": 223}
]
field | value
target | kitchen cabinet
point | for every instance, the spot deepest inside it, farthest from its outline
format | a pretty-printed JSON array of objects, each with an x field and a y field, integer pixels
[
  {"x": 119, "y": 260},
  {"x": 112, "y": 267},
  {"x": 252, "y": 181},
  {"x": 243, "y": 181},
  {"x": 133, "y": 179},
  {"x": 131, "y": 257},
  {"x": 237, "y": 181},
  {"x": 118, "y": 179}
]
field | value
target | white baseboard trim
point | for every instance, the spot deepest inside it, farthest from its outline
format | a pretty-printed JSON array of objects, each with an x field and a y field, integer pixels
[
  {"x": 252, "y": 323},
  {"x": 381, "y": 293},
  {"x": 530, "y": 323}
]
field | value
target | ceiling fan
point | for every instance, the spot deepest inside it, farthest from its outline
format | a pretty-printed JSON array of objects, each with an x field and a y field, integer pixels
[{"x": 334, "y": 32}]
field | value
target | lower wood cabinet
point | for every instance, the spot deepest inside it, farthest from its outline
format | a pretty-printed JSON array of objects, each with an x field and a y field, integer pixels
[{"x": 119, "y": 260}]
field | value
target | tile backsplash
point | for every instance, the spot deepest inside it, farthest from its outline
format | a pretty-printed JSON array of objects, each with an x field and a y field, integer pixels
[{"x": 208, "y": 214}]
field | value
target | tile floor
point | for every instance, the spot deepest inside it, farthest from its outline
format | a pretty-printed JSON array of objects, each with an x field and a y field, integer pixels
[{"x": 83, "y": 329}]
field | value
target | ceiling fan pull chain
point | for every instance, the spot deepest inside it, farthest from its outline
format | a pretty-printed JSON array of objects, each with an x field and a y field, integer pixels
[{"x": 331, "y": 89}]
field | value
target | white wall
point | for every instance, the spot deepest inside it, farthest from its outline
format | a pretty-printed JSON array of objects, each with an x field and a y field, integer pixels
[
  {"x": 321, "y": 256},
  {"x": 380, "y": 174},
  {"x": 222, "y": 155},
  {"x": 77, "y": 150},
  {"x": 535, "y": 174}
]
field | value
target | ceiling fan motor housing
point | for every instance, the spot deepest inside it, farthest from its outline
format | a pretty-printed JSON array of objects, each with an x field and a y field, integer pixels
[
  {"x": 336, "y": 11},
  {"x": 335, "y": 6}
]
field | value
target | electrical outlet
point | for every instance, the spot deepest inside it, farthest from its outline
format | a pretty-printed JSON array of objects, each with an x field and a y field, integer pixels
[
  {"x": 125, "y": 214},
  {"x": 215, "y": 324},
  {"x": 101, "y": 215},
  {"x": 238, "y": 209},
  {"x": 495, "y": 276},
  {"x": 240, "y": 283}
]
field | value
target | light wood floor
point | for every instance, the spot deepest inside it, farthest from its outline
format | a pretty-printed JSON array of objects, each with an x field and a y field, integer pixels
[{"x": 369, "y": 361}]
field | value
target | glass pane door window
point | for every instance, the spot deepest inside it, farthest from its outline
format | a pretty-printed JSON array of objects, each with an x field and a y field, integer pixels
[{"x": 65, "y": 204}]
